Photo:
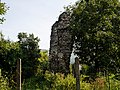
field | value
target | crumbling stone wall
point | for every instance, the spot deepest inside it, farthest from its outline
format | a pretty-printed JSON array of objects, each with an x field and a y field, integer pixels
[{"x": 60, "y": 45}]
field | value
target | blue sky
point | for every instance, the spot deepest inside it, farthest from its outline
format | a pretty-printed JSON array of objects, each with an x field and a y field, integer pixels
[{"x": 32, "y": 16}]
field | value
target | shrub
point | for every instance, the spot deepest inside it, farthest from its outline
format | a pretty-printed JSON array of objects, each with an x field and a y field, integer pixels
[
  {"x": 51, "y": 81},
  {"x": 3, "y": 84}
]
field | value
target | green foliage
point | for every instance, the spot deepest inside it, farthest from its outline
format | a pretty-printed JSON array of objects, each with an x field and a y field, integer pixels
[
  {"x": 113, "y": 83},
  {"x": 100, "y": 83},
  {"x": 50, "y": 81},
  {"x": 58, "y": 81},
  {"x": 43, "y": 61},
  {"x": 8, "y": 53},
  {"x": 29, "y": 54},
  {"x": 3, "y": 9},
  {"x": 64, "y": 83},
  {"x": 96, "y": 32},
  {"x": 4, "y": 84}
]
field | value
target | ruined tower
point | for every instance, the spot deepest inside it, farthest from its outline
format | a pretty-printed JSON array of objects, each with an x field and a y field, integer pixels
[{"x": 60, "y": 45}]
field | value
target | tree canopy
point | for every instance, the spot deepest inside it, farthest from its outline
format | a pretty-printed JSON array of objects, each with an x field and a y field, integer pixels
[
  {"x": 30, "y": 52},
  {"x": 26, "y": 49},
  {"x": 3, "y": 9},
  {"x": 96, "y": 31}
]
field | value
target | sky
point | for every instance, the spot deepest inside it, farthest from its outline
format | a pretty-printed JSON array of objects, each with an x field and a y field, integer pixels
[{"x": 32, "y": 16}]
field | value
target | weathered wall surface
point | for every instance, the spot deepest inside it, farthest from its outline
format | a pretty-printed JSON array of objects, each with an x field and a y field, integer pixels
[{"x": 60, "y": 45}]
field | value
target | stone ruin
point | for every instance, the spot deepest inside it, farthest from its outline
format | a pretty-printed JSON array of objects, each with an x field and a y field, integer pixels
[{"x": 60, "y": 45}]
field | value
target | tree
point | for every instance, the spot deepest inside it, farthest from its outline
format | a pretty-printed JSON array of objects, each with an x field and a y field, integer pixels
[
  {"x": 96, "y": 31},
  {"x": 29, "y": 50},
  {"x": 43, "y": 66},
  {"x": 8, "y": 56},
  {"x": 3, "y": 9}
]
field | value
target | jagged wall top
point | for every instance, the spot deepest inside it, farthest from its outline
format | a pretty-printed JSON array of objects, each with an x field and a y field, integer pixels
[{"x": 63, "y": 21}]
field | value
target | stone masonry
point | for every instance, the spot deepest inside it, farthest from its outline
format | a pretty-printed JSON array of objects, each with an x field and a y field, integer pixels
[{"x": 60, "y": 45}]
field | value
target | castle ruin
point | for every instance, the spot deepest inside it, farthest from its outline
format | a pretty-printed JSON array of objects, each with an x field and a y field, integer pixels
[{"x": 60, "y": 45}]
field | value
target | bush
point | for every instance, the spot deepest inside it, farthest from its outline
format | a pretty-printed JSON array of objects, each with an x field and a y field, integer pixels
[
  {"x": 50, "y": 81},
  {"x": 3, "y": 84},
  {"x": 58, "y": 81}
]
